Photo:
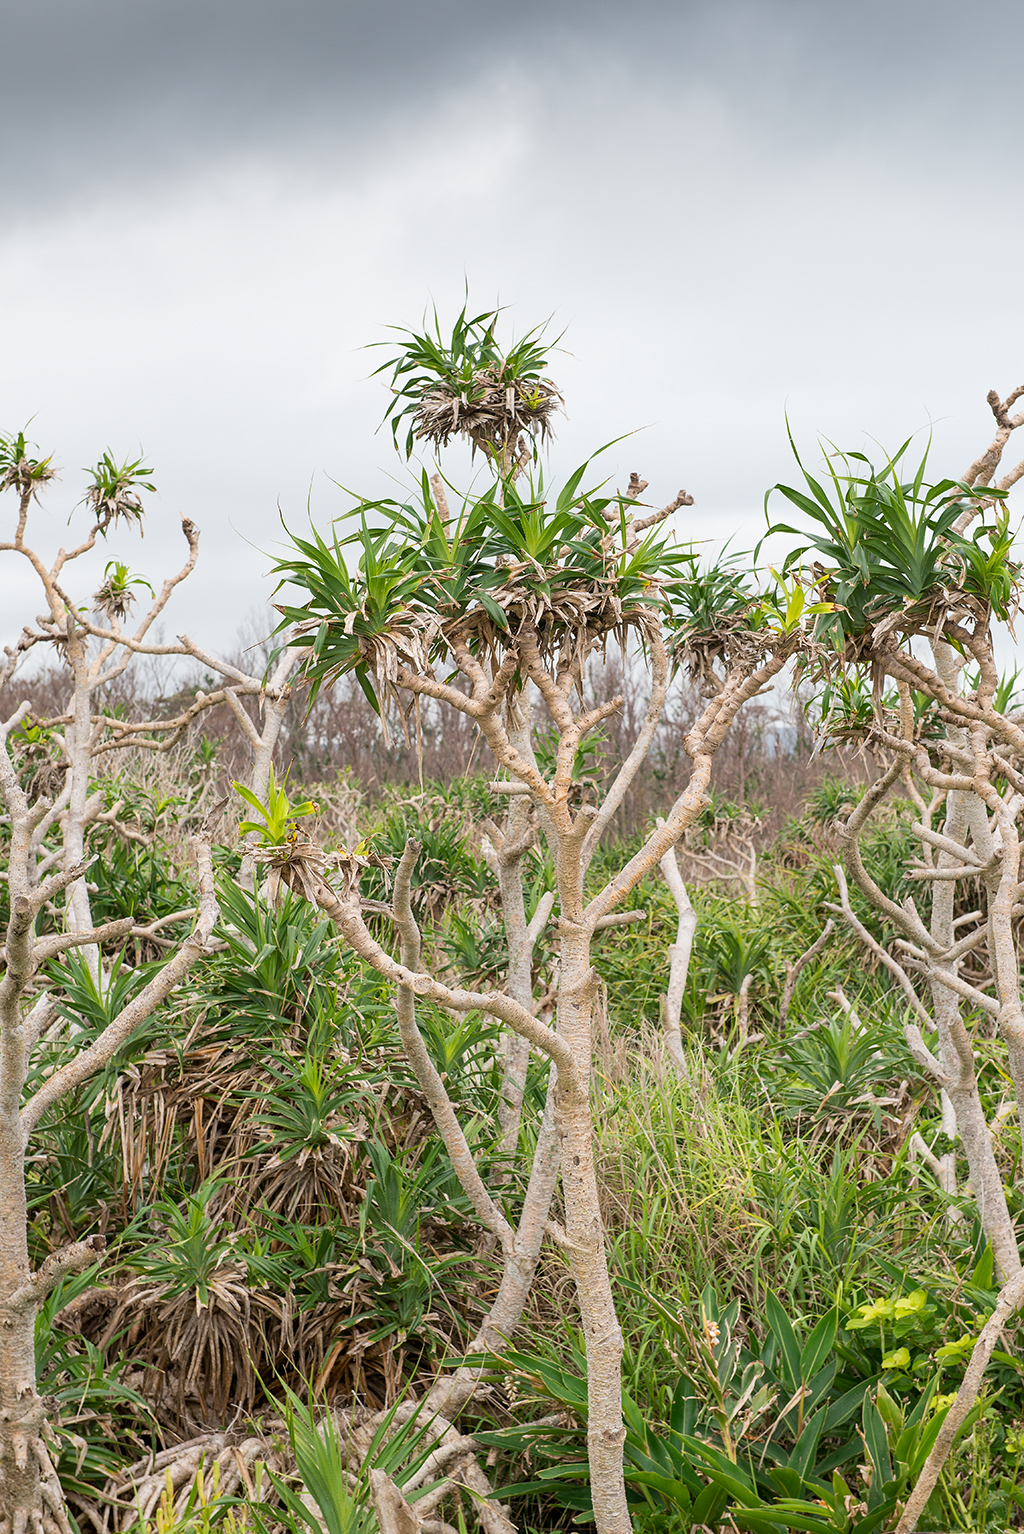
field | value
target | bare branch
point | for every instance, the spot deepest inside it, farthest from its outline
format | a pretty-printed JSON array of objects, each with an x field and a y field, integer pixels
[
  {"x": 345, "y": 913},
  {"x": 204, "y": 657},
  {"x": 249, "y": 730},
  {"x": 7, "y": 725},
  {"x": 57, "y": 882},
  {"x": 638, "y": 754},
  {"x": 793, "y": 969},
  {"x": 540, "y": 917},
  {"x": 962, "y": 988},
  {"x": 188, "y": 914},
  {"x": 619, "y": 919},
  {"x": 69, "y": 1259},
  {"x": 679, "y": 964},
  {"x": 983, "y": 467},
  {"x": 907, "y": 921},
  {"x": 701, "y": 744},
  {"x": 915, "y": 1043},
  {"x": 134, "y": 642},
  {"x": 946, "y": 844},
  {"x": 492, "y": 1516},
  {"x": 943, "y": 875},
  {"x": 682, "y": 498},
  {"x": 440, "y": 1104},
  {"x": 47, "y": 947}
]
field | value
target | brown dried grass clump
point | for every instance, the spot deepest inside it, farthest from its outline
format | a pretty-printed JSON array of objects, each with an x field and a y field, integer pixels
[{"x": 492, "y": 411}]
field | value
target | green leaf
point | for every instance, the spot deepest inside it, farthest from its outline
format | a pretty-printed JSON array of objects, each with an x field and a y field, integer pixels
[
  {"x": 680, "y": 1495},
  {"x": 984, "y": 1267},
  {"x": 888, "y": 1409},
  {"x": 875, "y": 1440},
  {"x": 819, "y": 1344},
  {"x": 716, "y": 1465},
  {"x": 709, "y": 1506},
  {"x": 781, "y": 1329}
]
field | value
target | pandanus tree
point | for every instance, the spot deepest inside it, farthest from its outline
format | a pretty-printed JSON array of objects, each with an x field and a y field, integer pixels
[
  {"x": 495, "y": 604},
  {"x": 919, "y": 575},
  {"x": 58, "y": 815}
]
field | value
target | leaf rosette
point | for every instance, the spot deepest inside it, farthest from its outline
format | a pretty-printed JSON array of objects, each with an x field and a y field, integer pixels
[
  {"x": 576, "y": 569},
  {"x": 891, "y": 555}
]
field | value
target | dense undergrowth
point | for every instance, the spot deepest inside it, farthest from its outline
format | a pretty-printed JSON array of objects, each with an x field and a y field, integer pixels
[{"x": 797, "y": 1294}]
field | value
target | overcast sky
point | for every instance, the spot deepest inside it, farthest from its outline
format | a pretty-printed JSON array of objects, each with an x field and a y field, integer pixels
[{"x": 733, "y": 210}]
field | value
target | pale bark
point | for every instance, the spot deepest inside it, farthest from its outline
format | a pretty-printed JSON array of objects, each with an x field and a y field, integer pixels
[
  {"x": 585, "y": 1243},
  {"x": 77, "y": 749},
  {"x": 344, "y": 911},
  {"x": 30, "y": 1496},
  {"x": 730, "y": 855},
  {"x": 701, "y": 743},
  {"x": 438, "y": 1101},
  {"x": 394, "y": 1515},
  {"x": 979, "y": 839},
  {"x": 274, "y": 701},
  {"x": 637, "y": 756},
  {"x": 942, "y": 1167},
  {"x": 966, "y": 816},
  {"x": 679, "y": 954},
  {"x": 952, "y": 1068},
  {"x": 567, "y": 1133},
  {"x": 956, "y": 1054},
  {"x": 569, "y": 1046},
  {"x": 96, "y": 654},
  {"x": 136, "y": 1492},
  {"x": 1011, "y": 1298},
  {"x": 742, "y": 1015},
  {"x": 506, "y": 1310},
  {"x": 521, "y": 934},
  {"x": 48, "y": 857},
  {"x": 982, "y": 470},
  {"x": 521, "y": 1245}
]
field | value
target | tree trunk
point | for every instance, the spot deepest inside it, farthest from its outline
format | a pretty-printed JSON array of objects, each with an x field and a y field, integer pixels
[
  {"x": 679, "y": 954},
  {"x": 956, "y": 1049},
  {"x": 520, "y": 940},
  {"x": 519, "y": 1268},
  {"x": 515, "y": 1048},
  {"x": 78, "y": 741},
  {"x": 605, "y": 1432},
  {"x": 22, "y": 1455}
]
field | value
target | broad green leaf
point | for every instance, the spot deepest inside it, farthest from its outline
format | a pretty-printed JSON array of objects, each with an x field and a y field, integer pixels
[
  {"x": 819, "y": 1344},
  {"x": 875, "y": 1440},
  {"x": 782, "y": 1330}
]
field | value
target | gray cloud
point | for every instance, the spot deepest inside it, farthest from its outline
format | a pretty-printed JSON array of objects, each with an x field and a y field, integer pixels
[
  {"x": 118, "y": 86},
  {"x": 118, "y": 90}
]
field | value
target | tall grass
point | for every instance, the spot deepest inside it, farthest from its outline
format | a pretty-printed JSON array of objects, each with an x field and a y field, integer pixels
[{"x": 703, "y": 1182}]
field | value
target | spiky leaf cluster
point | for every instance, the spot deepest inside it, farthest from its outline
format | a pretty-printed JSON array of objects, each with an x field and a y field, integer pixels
[
  {"x": 466, "y": 385},
  {"x": 723, "y": 615},
  {"x": 114, "y": 492},
  {"x": 888, "y": 554},
  {"x": 426, "y": 581},
  {"x": 19, "y": 470},
  {"x": 115, "y": 596}
]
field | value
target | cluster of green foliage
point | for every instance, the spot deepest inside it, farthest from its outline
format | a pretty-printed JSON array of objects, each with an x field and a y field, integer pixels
[
  {"x": 883, "y": 544},
  {"x": 798, "y": 1297},
  {"x": 282, "y": 1216}
]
